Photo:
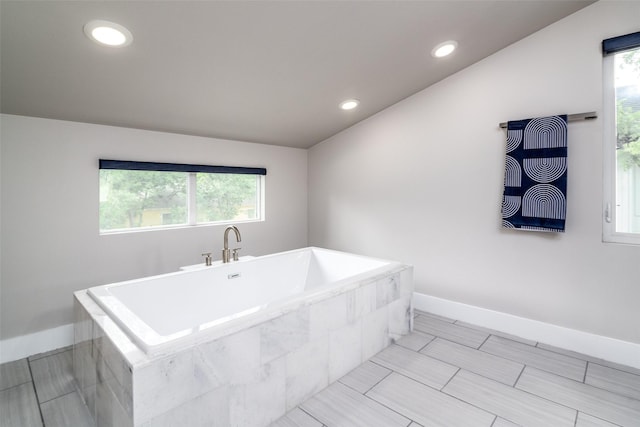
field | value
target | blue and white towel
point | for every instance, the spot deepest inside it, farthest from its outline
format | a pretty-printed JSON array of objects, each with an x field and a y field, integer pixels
[{"x": 535, "y": 178}]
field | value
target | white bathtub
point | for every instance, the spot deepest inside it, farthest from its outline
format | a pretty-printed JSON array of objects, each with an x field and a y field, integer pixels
[
  {"x": 278, "y": 328},
  {"x": 160, "y": 313}
]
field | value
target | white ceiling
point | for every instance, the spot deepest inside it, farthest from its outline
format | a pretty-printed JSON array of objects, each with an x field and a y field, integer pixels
[{"x": 272, "y": 72}]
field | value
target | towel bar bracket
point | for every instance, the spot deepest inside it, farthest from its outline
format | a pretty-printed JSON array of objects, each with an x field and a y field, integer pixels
[{"x": 570, "y": 118}]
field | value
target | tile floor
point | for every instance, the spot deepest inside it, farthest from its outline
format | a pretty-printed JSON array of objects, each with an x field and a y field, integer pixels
[
  {"x": 446, "y": 373},
  {"x": 39, "y": 390}
]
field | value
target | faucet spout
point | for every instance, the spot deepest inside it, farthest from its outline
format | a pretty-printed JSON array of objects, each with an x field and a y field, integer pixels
[{"x": 226, "y": 253}]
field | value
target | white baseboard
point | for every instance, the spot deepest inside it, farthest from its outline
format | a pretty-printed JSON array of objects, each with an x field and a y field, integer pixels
[
  {"x": 27, "y": 345},
  {"x": 598, "y": 346}
]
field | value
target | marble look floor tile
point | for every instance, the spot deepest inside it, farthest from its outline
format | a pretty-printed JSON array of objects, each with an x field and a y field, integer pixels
[
  {"x": 53, "y": 375},
  {"x": 434, "y": 316},
  {"x": 65, "y": 411},
  {"x": 583, "y": 397},
  {"x": 296, "y": 418},
  {"x": 340, "y": 406},
  {"x": 421, "y": 368},
  {"x": 509, "y": 403},
  {"x": 415, "y": 340},
  {"x": 614, "y": 380},
  {"x": 50, "y": 353},
  {"x": 539, "y": 358},
  {"x": 619, "y": 382},
  {"x": 14, "y": 373},
  {"x": 19, "y": 407},
  {"x": 585, "y": 420},
  {"x": 501, "y": 422},
  {"x": 479, "y": 362},
  {"x": 497, "y": 333},
  {"x": 426, "y": 405},
  {"x": 452, "y": 332},
  {"x": 365, "y": 376},
  {"x": 588, "y": 358}
]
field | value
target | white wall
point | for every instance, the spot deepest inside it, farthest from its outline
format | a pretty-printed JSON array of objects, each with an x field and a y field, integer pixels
[
  {"x": 51, "y": 246},
  {"x": 421, "y": 182}
]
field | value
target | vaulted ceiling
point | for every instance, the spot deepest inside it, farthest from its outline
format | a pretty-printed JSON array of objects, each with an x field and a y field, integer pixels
[{"x": 271, "y": 72}]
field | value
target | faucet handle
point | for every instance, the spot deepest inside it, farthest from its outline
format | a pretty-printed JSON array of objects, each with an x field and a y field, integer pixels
[
  {"x": 207, "y": 258},
  {"x": 235, "y": 253}
]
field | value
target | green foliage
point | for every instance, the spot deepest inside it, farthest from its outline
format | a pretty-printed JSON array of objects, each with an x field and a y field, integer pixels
[
  {"x": 629, "y": 156},
  {"x": 628, "y": 120},
  {"x": 127, "y": 197},
  {"x": 132, "y": 199},
  {"x": 628, "y": 124},
  {"x": 632, "y": 59},
  {"x": 219, "y": 197}
]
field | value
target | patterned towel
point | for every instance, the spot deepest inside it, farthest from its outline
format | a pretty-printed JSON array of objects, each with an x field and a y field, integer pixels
[{"x": 535, "y": 178}]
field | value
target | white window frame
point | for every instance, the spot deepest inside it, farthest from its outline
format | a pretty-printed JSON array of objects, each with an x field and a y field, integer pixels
[
  {"x": 192, "y": 209},
  {"x": 609, "y": 233}
]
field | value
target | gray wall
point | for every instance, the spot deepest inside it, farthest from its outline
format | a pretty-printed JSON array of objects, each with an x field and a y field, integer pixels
[
  {"x": 51, "y": 246},
  {"x": 421, "y": 182}
]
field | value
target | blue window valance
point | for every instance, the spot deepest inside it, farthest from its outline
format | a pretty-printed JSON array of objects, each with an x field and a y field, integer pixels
[
  {"x": 620, "y": 43},
  {"x": 178, "y": 167}
]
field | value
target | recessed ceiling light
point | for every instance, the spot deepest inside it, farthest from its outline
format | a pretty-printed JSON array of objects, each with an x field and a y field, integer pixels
[
  {"x": 444, "y": 49},
  {"x": 108, "y": 33},
  {"x": 349, "y": 104}
]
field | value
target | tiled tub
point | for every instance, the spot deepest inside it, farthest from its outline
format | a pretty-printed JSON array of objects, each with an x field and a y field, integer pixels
[{"x": 248, "y": 364}]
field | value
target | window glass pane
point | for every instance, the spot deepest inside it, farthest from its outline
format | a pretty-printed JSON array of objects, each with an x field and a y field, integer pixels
[
  {"x": 627, "y": 92},
  {"x": 226, "y": 197},
  {"x": 134, "y": 199}
]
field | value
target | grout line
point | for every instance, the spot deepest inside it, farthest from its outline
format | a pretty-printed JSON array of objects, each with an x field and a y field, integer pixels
[
  {"x": 485, "y": 340},
  {"x": 575, "y": 422},
  {"x": 35, "y": 391},
  {"x": 615, "y": 369},
  {"x": 57, "y": 397},
  {"x": 385, "y": 406},
  {"x": 586, "y": 368},
  {"x": 518, "y": 379},
  {"x": 449, "y": 380},
  {"x": 307, "y": 414}
]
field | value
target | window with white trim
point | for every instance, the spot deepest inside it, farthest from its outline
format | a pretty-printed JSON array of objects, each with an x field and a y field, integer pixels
[
  {"x": 622, "y": 139},
  {"x": 145, "y": 195}
]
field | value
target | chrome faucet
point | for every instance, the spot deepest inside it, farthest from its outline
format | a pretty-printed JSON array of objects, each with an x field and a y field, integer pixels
[{"x": 226, "y": 252}]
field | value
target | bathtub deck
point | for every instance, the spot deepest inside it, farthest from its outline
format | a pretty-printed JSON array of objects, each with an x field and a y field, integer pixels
[{"x": 445, "y": 373}]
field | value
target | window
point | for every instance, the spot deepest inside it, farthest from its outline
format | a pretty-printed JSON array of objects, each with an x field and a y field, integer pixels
[
  {"x": 142, "y": 195},
  {"x": 622, "y": 138}
]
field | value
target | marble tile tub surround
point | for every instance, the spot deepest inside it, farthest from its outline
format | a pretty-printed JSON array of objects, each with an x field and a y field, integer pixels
[{"x": 250, "y": 377}]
